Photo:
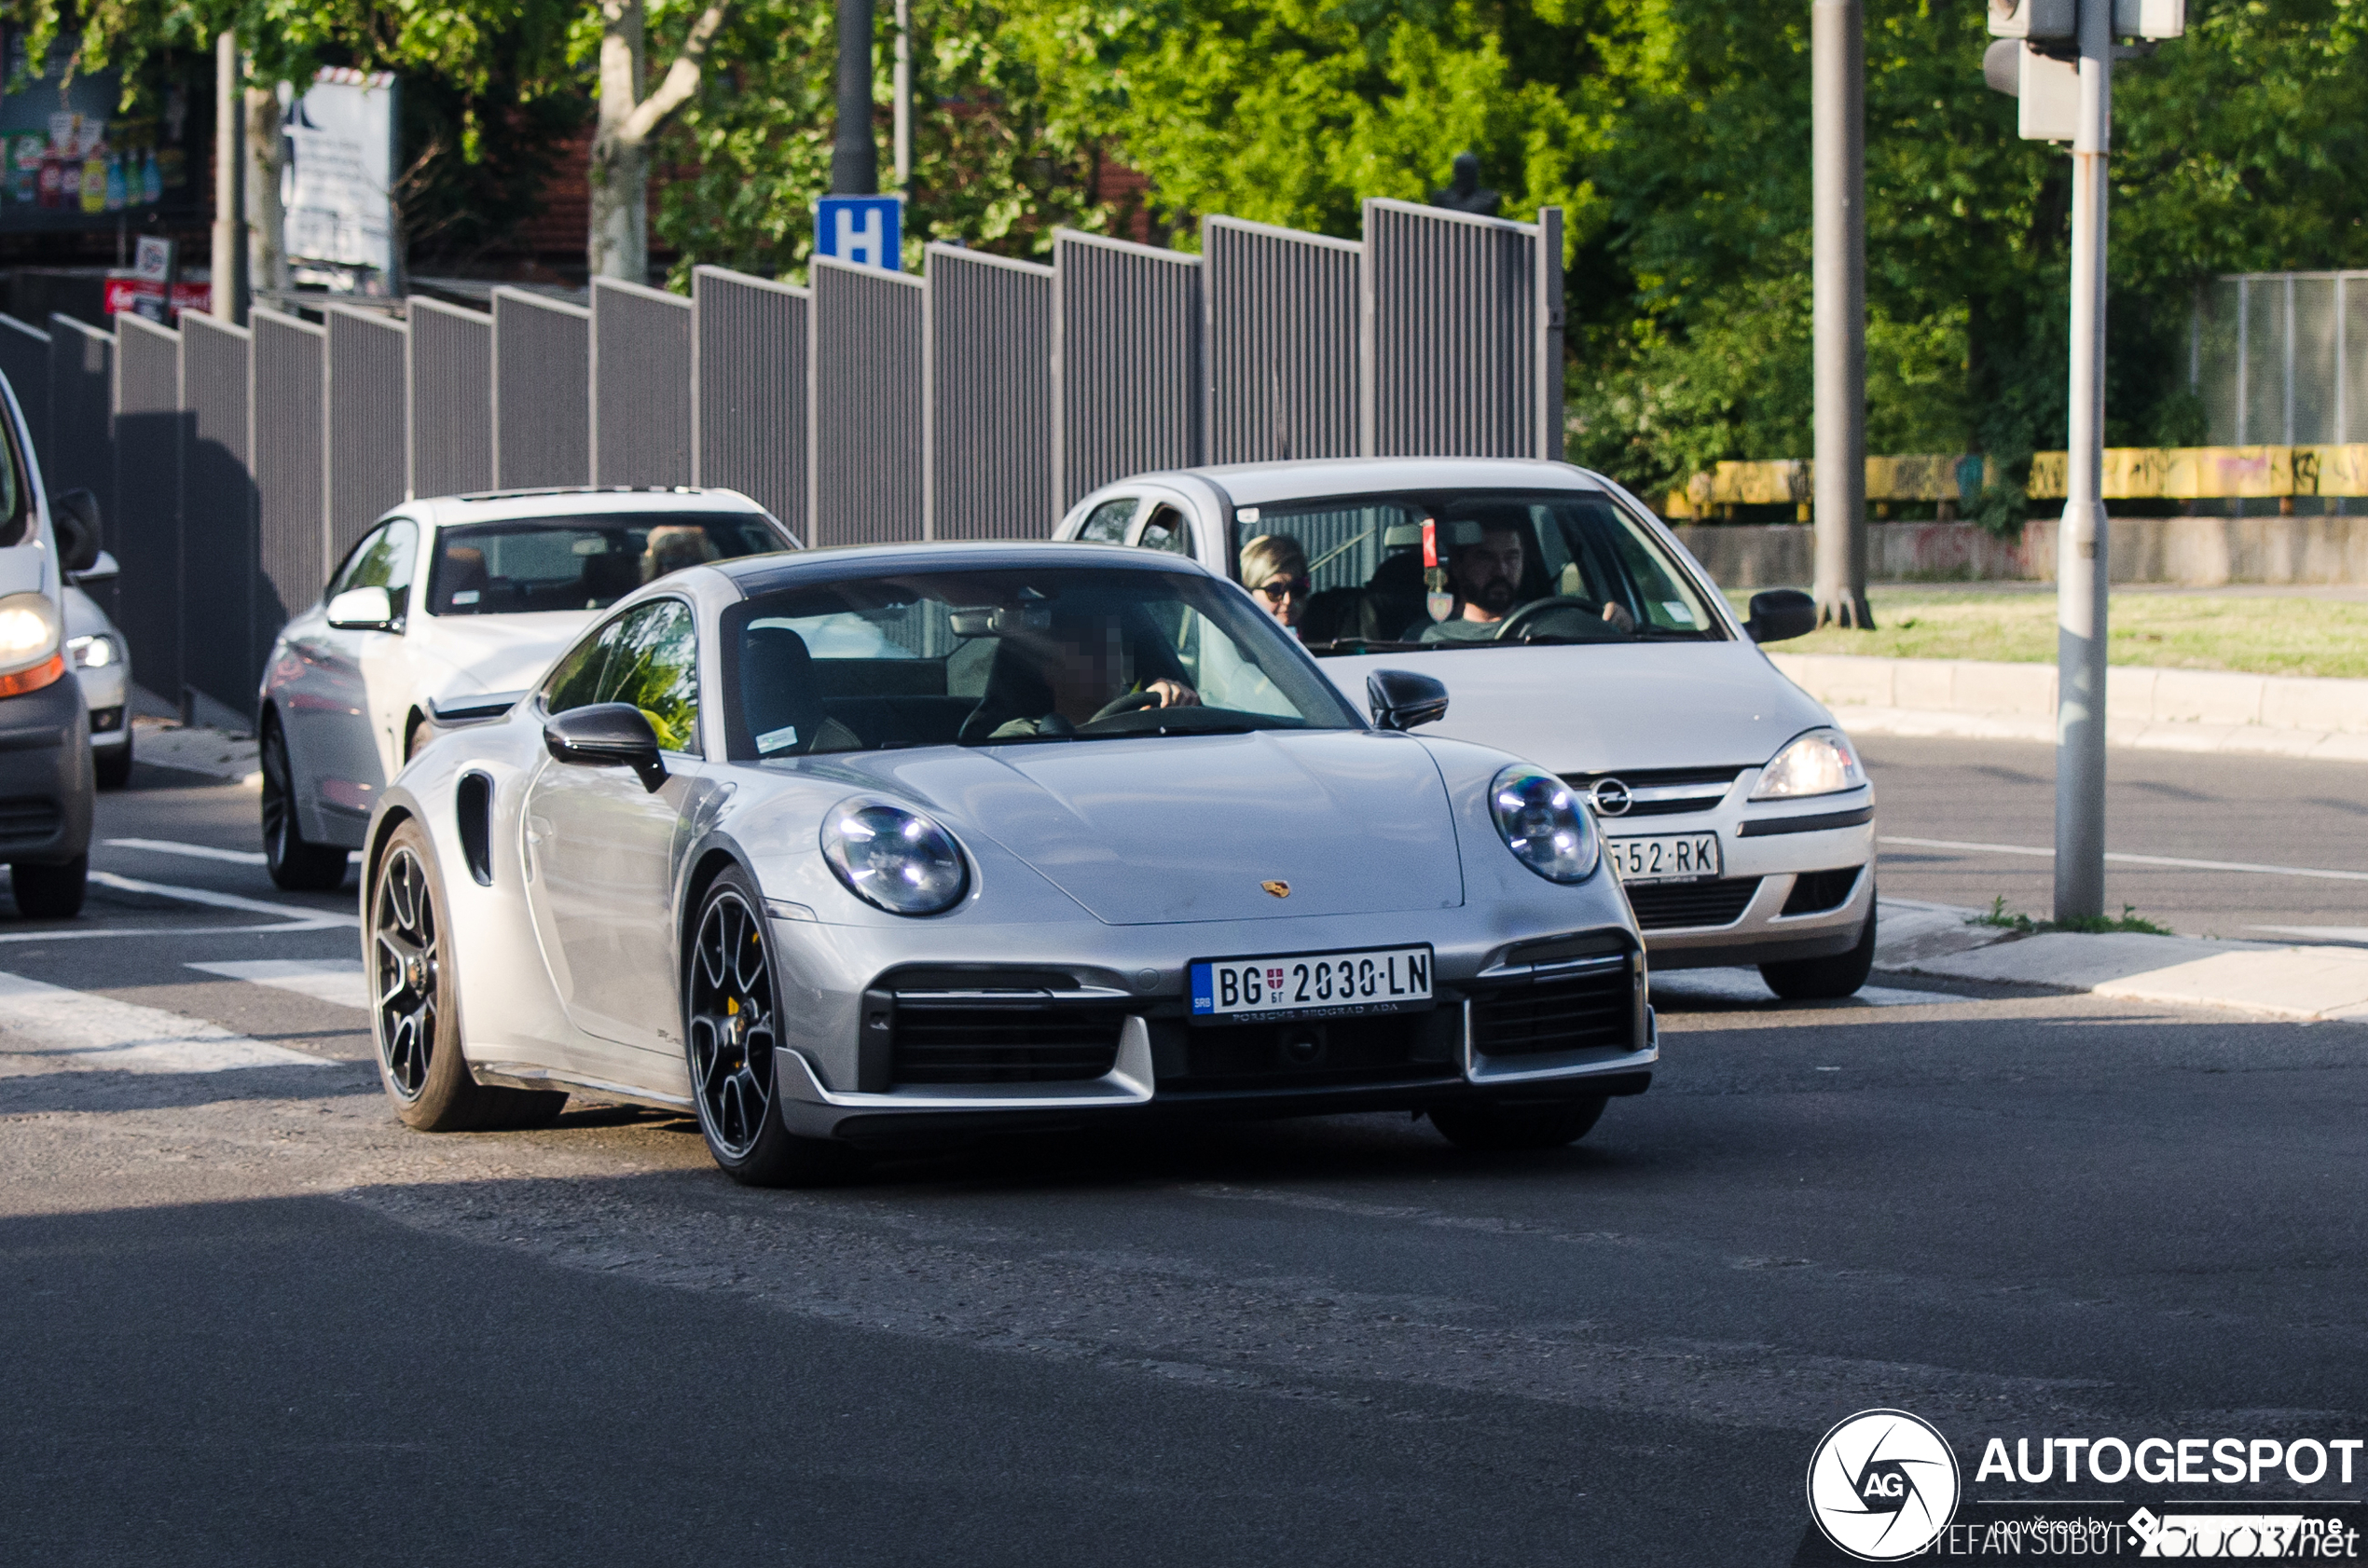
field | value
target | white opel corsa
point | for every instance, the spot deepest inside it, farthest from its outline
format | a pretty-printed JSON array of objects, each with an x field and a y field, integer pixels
[
  {"x": 1571, "y": 628},
  {"x": 449, "y": 608}
]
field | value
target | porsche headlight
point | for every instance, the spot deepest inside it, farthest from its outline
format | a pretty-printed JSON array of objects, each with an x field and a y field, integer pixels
[
  {"x": 28, "y": 629},
  {"x": 895, "y": 859},
  {"x": 1543, "y": 824},
  {"x": 1820, "y": 762}
]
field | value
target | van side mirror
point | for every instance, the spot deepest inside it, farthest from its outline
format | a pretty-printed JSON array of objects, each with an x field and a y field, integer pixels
[
  {"x": 74, "y": 516},
  {"x": 606, "y": 735},
  {"x": 1401, "y": 699},
  {"x": 1781, "y": 614},
  {"x": 363, "y": 610}
]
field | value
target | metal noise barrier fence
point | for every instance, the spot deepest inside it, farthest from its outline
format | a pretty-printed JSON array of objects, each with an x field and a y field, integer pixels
[
  {"x": 368, "y": 435},
  {"x": 864, "y": 402},
  {"x": 990, "y": 396},
  {"x": 74, "y": 444},
  {"x": 291, "y": 386},
  {"x": 149, "y": 436},
  {"x": 1281, "y": 312},
  {"x": 218, "y": 542},
  {"x": 541, "y": 392},
  {"x": 450, "y": 387},
  {"x": 749, "y": 390},
  {"x": 24, "y": 359},
  {"x": 1127, "y": 361},
  {"x": 640, "y": 377}
]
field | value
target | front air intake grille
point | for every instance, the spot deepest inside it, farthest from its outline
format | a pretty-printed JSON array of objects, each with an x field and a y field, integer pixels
[
  {"x": 1817, "y": 891},
  {"x": 1584, "y": 1012},
  {"x": 28, "y": 819},
  {"x": 1672, "y": 904},
  {"x": 958, "y": 1044},
  {"x": 1386, "y": 1047}
]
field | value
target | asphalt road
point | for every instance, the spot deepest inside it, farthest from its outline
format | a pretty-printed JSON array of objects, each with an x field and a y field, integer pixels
[
  {"x": 2258, "y": 811},
  {"x": 249, "y": 1319}
]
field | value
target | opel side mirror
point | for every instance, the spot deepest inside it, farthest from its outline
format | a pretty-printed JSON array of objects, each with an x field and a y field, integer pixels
[
  {"x": 1781, "y": 614},
  {"x": 606, "y": 735},
  {"x": 1401, "y": 699},
  {"x": 73, "y": 517}
]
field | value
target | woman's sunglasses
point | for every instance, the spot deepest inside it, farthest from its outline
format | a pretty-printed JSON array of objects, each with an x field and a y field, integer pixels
[{"x": 1274, "y": 593}]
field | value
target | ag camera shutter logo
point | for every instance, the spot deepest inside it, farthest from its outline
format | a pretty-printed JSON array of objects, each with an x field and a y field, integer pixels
[{"x": 1883, "y": 1485}]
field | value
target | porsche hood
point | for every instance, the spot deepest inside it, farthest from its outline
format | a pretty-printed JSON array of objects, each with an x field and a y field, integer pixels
[{"x": 1239, "y": 827}]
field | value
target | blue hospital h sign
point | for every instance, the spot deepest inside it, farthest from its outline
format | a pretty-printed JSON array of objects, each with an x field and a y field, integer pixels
[{"x": 861, "y": 230}]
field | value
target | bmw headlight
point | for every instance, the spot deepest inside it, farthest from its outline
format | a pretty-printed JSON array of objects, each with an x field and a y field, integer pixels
[
  {"x": 1543, "y": 824},
  {"x": 893, "y": 858},
  {"x": 1819, "y": 763},
  {"x": 28, "y": 629}
]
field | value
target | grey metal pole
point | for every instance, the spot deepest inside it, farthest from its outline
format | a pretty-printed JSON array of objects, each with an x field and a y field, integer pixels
[
  {"x": 1837, "y": 155},
  {"x": 904, "y": 94},
  {"x": 855, "y": 154},
  {"x": 2081, "y": 571},
  {"x": 230, "y": 258}
]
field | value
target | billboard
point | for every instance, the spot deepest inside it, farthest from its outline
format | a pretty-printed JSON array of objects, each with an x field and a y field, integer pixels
[
  {"x": 338, "y": 189},
  {"x": 73, "y": 156}
]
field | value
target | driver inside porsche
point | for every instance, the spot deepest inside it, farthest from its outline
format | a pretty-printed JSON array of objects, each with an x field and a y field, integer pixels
[{"x": 1085, "y": 668}]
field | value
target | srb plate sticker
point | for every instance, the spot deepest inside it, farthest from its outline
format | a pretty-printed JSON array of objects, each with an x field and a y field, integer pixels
[{"x": 1311, "y": 985}]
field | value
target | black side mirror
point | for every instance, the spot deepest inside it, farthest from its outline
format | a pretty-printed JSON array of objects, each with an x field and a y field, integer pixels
[
  {"x": 1401, "y": 699},
  {"x": 74, "y": 516},
  {"x": 606, "y": 735},
  {"x": 1781, "y": 614}
]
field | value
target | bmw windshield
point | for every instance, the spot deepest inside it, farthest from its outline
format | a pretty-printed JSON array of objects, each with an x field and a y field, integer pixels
[
  {"x": 1461, "y": 569},
  {"x": 1007, "y": 657}
]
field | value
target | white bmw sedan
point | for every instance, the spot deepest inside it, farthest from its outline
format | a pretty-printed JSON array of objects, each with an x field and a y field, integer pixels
[
  {"x": 1571, "y": 628},
  {"x": 450, "y": 607}
]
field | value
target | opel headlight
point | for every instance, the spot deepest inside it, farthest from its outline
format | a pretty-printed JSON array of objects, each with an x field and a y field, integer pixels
[
  {"x": 95, "y": 652},
  {"x": 1542, "y": 823},
  {"x": 1820, "y": 762},
  {"x": 28, "y": 629},
  {"x": 895, "y": 859}
]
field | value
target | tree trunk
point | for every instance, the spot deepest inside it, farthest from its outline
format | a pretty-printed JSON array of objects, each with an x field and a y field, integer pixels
[
  {"x": 266, "y": 218},
  {"x": 619, "y": 174}
]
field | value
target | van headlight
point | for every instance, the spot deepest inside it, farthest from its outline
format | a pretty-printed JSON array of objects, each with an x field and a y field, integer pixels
[
  {"x": 1542, "y": 823},
  {"x": 894, "y": 858},
  {"x": 28, "y": 630},
  {"x": 1820, "y": 762}
]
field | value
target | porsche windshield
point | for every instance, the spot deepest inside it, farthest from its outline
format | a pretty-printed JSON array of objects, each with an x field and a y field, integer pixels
[
  {"x": 1556, "y": 566},
  {"x": 1002, "y": 657}
]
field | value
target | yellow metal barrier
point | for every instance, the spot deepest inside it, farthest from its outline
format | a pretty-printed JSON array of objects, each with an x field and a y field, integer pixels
[{"x": 2131, "y": 473}]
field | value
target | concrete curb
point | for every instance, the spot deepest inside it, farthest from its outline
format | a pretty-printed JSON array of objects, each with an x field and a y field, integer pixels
[
  {"x": 2156, "y": 709},
  {"x": 211, "y": 752},
  {"x": 2307, "y": 984}
]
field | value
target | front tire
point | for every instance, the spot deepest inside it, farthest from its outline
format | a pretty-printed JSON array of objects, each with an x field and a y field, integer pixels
[
  {"x": 1494, "y": 1127},
  {"x": 51, "y": 892},
  {"x": 731, "y": 1035},
  {"x": 1824, "y": 980},
  {"x": 415, "y": 1008},
  {"x": 295, "y": 865}
]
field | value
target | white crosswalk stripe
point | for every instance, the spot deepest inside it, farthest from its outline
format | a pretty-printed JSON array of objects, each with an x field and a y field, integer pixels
[
  {"x": 79, "y": 1030},
  {"x": 327, "y": 980}
]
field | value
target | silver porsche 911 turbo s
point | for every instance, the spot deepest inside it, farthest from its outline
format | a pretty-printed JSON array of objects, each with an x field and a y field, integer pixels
[{"x": 872, "y": 847}]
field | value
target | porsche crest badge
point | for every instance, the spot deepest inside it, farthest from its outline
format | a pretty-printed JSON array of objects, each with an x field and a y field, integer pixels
[{"x": 1280, "y": 889}]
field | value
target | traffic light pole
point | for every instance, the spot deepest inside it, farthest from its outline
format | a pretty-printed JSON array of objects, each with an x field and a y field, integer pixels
[{"x": 2082, "y": 540}]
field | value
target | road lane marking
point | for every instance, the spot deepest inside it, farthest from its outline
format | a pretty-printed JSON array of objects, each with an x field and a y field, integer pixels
[
  {"x": 222, "y": 900},
  {"x": 85, "y": 934},
  {"x": 327, "y": 980},
  {"x": 2246, "y": 866},
  {"x": 202, "y": 851},
  {"x": 84, "y": 1030},
  {"x": 1745, "y": 985}
]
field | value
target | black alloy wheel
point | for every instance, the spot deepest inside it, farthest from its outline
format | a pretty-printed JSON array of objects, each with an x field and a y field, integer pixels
[
  {"x": 295, "y": 865},
  {"x": 406, "y": 981},
  {"x": 415, "y": 1004},
  {"x": 732, "y": 1036}
]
